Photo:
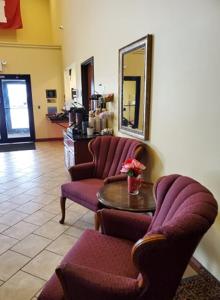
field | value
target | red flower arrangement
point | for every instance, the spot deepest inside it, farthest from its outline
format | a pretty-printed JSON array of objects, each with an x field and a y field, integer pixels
[{"x": 132, "y": 167}]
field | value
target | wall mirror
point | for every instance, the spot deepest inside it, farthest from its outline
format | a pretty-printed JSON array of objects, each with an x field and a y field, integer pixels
[{"x": 134, "y": 87}]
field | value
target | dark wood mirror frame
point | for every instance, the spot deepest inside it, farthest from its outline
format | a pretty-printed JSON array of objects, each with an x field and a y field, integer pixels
[{"x": 145, "y": 45}]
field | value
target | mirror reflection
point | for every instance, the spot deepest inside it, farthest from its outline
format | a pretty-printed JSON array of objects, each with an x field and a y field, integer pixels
[
  {"x": 133, "y": 88},
  {"x": 134, "y": 84}
]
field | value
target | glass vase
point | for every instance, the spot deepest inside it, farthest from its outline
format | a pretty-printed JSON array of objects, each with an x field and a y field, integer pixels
[{"x": 133, "y": 185}]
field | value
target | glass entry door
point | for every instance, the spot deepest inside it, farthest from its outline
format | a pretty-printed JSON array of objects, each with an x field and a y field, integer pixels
[{"x": 16, "y": 109}]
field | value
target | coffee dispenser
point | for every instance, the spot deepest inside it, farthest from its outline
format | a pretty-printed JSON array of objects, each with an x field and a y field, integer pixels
[
  {"x": 97, "y": 101},
  {"x": 77, "y": 115}
]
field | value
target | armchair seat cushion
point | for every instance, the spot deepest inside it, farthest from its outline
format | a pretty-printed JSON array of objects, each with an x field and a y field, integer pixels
[
  {"x": 83, "y": 192},
  {"x": 103, "y": 253},
  {"x": 99, "y": 252}
]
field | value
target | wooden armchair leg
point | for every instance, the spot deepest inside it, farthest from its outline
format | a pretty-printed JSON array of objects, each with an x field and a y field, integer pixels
[
  {"x": 97, "y": 221},
  {"x": 62, "y": 205}
]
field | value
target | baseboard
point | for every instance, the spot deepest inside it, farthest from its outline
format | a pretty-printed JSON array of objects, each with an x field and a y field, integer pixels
[
  {"x": 49, "y": 139},
  {"x": 196, "y": 265}
]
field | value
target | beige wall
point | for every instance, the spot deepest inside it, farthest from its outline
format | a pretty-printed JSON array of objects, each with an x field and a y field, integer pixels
[{"x": 185, "y": 122}]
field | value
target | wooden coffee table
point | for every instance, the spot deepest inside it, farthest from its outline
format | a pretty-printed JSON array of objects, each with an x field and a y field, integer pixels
[{"x": 115, "y": 195}]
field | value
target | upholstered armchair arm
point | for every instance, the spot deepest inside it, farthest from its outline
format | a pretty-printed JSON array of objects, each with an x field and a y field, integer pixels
[
  {"x": 82, "y": 171},
  {"x": 115, "y": 178},
  {"x": 152, "y": 257},
  {"x": 122, "y": 224},
  {"x": 149, "y": 245},
  {"x": 80, "y": 282}
]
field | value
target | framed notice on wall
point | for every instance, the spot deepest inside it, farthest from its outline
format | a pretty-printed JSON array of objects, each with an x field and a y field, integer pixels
[
  {"x": 51, "y": 94},
  {"x": 52, "y": 110}
]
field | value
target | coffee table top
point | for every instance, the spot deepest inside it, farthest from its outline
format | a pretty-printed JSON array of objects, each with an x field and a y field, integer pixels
[{"x": 115, "y": 195}]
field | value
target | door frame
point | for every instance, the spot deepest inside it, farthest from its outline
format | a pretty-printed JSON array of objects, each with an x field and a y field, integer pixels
[
  {"x": 84, "y": 79},
  {"x": 3, "y": 128}
]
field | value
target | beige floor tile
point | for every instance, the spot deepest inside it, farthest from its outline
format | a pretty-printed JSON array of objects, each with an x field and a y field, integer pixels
[
  {"x": 35, "y": 191},
  {"x": 83, "y": 225},
  {"x": 29, "y": 207},
  {"x": 53, "y": 207},
  {"x": 12, "y": 218},
  {"x": 31, "y": 245},
  {"x": 3, "y": 188},
  {"x": 51, "y": 230},
  {"x": 71, "y": 217},
  {"x": 6, "y": 243},
  {"x": 21, "y": 286},
  {"x": 6, "y": 207},
  {"x": 50, "y": 185},
  {"x": 3, "y": 227},
  {"x": 40, "y": 181},
  {"x": 54, "y": 172},
  {"x": 89, "y": 217},
  {"x": 60, "y": 180},
  {"x": 76, "y": 207},
  {"x": 16, "y": 191},
  {"x": 55, "y": 191},
  {"x": 39, "y": 218},
  {"x": 1, "y": 283},
  {"x": 20, "y": 230},
  {"x": 62, "y": 244},
  {"x": 10, "y": 263},
  {"x": 4, "y": 198},
  {"x": 38, "y": 293},
  {"x": 44, "y": 199},
  {"x": 43, "y": 265},
  {"x": 21, "y": 199},
  {"x": 5, "y": 179},
  {"x": 74, "y": 231},
  {"x": 28, "y": 185}
]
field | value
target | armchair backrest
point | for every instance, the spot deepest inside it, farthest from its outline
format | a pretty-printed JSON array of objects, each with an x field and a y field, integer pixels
[
  {"x": 109, "y": 152},
  {"x": 184, "y": 212}
]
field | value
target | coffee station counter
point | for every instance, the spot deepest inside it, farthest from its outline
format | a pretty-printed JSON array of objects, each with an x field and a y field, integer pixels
[
  {"x": 76, "y": 149},
  {"x": 58, "y": 121}
]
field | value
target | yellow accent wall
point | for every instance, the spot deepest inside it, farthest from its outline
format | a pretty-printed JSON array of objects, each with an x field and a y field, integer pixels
[
  {"x": 44, "y": 64},
  {"x": 25, "y": 53},
  {"x": 36, "y": 24},
  {"x": 185, "y": 105},
  {"x": 55, "y": 16}
]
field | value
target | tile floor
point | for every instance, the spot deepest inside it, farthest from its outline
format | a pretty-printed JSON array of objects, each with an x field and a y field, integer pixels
[{"x": 30, "y": 233}]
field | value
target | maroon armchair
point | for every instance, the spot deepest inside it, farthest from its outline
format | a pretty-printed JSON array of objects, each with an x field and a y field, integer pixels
[
  {"x": 137, "y": 256},
  {"x": 108, "y": 154}
]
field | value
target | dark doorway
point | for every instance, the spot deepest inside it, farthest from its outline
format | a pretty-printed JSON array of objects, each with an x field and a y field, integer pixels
[
  {"x": 16, "y": 109},
  {"x": 131, "y": 88},
  {"x": 87, "y": 73}
]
